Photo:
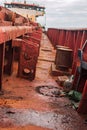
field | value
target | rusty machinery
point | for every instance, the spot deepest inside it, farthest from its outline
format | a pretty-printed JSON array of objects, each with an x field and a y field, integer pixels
[{"x": 9, "y": 32}]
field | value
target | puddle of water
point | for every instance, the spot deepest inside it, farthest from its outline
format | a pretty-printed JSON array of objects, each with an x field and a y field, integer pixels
[
  {"x": 23, "y": 117},
  {"x": 45, "y": 119}
]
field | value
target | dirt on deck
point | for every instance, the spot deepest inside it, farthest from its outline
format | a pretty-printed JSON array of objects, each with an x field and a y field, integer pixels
[{"x": 22, "y": 107}]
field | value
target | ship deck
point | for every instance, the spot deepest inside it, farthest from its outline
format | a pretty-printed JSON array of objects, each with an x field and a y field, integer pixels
[{"x": 23, "y": 108}]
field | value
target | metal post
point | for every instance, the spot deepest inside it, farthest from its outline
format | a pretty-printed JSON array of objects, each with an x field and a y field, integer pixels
[{"x": 2, "y": 52}]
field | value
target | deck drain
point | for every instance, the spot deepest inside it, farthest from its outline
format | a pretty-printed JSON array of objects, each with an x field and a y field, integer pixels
[{"x": 51, "y": 91}]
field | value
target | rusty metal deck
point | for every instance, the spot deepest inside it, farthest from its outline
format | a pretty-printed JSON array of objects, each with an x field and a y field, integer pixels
[{"x": 22, "y": 108}]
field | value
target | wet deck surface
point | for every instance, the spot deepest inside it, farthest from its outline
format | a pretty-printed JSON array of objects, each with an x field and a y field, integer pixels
[{"x": 23, "y": 108}]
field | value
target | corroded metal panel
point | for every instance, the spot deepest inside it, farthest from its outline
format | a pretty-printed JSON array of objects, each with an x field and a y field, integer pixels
[
  {"x": 2, "y": 52},
  {"x": 27, "y": 58},
  {"x": 11, "y": 32},
  {"x": 27, "y": 61},
  {"x": 8, "y": 66}
]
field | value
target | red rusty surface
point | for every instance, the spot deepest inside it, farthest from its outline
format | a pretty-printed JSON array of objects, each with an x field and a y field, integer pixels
[
  {"x": 9, "y": 18},
  {"x": 62, "y": 37},
  {"x": 66, "y": 118},
  {"x": 8, "y": 32},
  {"x": 33, "y": 42},
  {"x": 23, "y": 108},
  {"x": 2, "y": 55},
  {"x": 70, "y": 38},
  {"x": 83, "y": 103},
  {"x": 27, "y": 58},
  {"x": 11, "y": 32},
  {"x": 16, "y": 44},
  {"x": 81, "y": 83},
  {"x": 73, "y": 38},
  {"x": 36, "y": 35},
  {"x": 32, "y": 39},
  {"x": 8, "y": 58}
]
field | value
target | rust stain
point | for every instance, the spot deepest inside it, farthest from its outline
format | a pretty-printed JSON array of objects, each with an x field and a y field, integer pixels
[{"x": 21, "y": 107}]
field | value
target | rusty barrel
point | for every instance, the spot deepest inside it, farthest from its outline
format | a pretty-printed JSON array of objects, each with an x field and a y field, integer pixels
[
  {"x": 59, "y": 46},
  {"x": 64, "y": 58}
]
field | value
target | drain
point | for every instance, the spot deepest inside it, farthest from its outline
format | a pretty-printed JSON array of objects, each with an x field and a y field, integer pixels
[{"x": 51, "y": 91}]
